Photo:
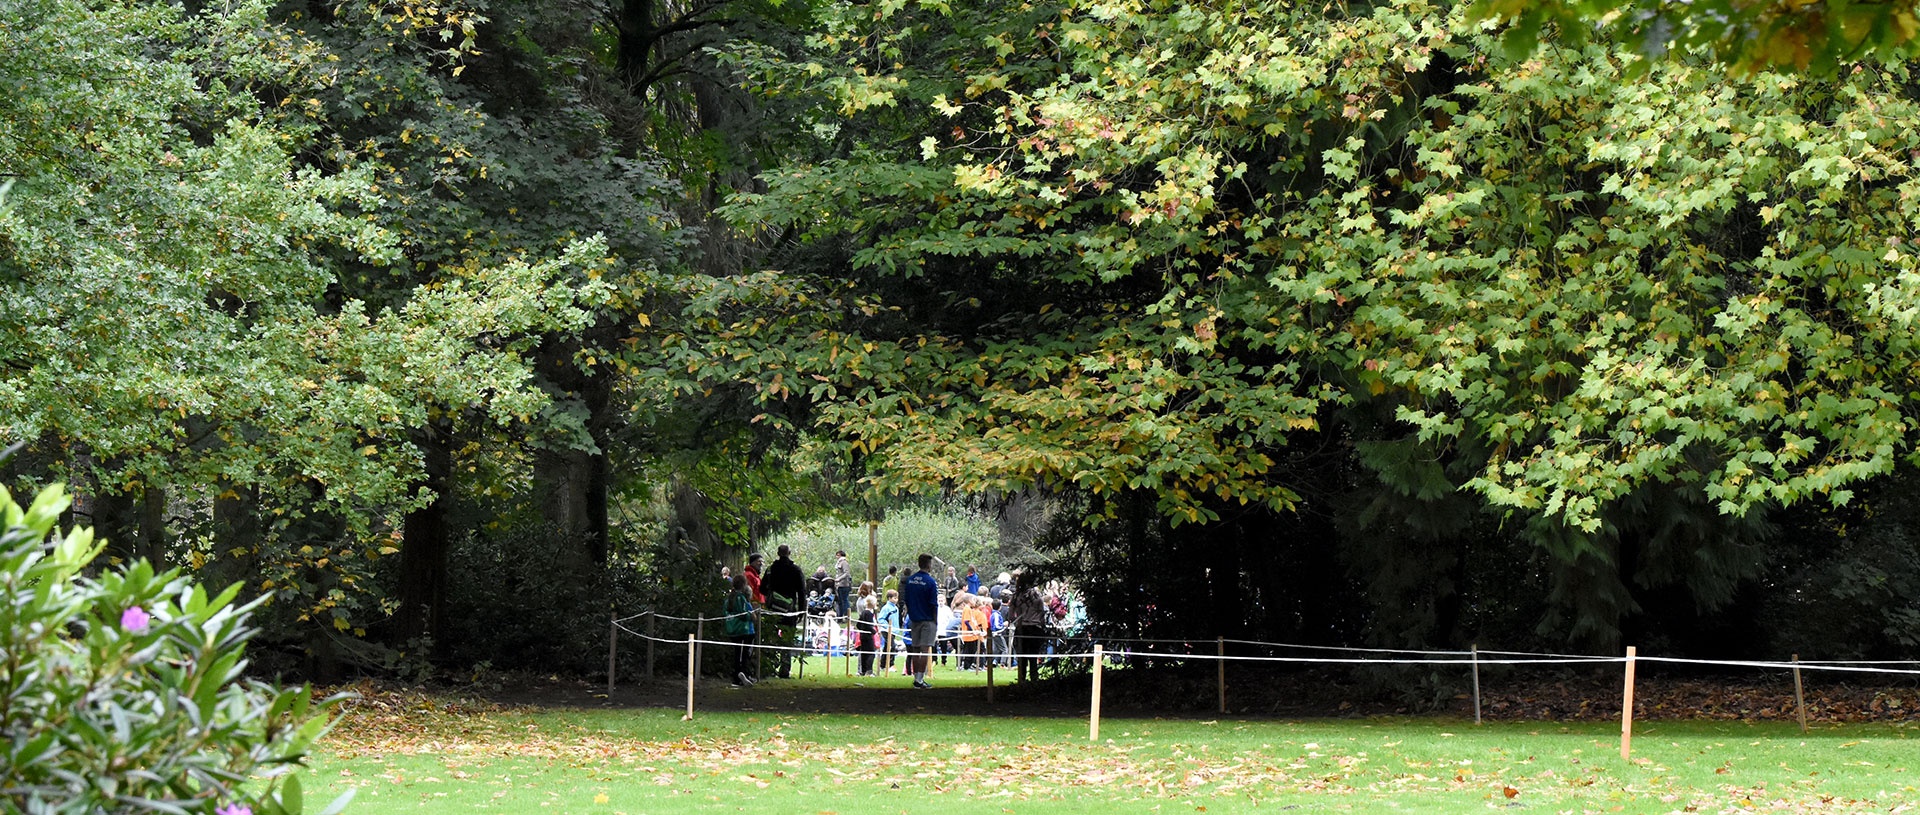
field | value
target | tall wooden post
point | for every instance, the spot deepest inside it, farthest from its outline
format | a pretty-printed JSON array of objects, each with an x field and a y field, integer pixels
[
  {"x": 1093, "y": 718},
  {"x": 652, "y": 619},
  {"x": 1626, "y": 707},
  {"x": 1799, "y": 694},
  {"x": 690, "y": 673},
  {"x": 613, "y": 645},
  {"x": 1476, "y": 683},
  {"x": 1222, "y": 647},
  {"x": 873, "y": 556}
]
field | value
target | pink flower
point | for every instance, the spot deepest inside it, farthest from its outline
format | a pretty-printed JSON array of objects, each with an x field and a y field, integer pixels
[
  {"x": 135, "y": 619},
  {"x": 234, "y": 809}
]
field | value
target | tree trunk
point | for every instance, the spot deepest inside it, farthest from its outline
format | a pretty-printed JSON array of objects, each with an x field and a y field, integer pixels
[
  {"x": 236, "y": 529},
  {"x": 153, "y": 526},
  {"x": 105, "y": 507},
  {"x": 426, "y": 540}
]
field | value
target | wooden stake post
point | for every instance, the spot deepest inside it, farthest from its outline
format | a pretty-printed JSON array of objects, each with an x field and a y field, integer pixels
[
  {"x": 1476, "y": 683},
  {"x": 652, "y": 618},
  {"x": 613, "y": 645},
  {"x": 1222, "y": 644},
  {"x": 690, "y": 673},
  {"x": 1626, "y": 707},
  {"x": 1799, "y": 694},
  {"x": 1093, "y": 720}
]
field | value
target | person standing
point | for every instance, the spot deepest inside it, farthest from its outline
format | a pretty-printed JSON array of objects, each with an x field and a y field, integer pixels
[
  {"x": 952, "y": 585},
  {"x": 922, "y": 600},
  {"x": 973, "y": 580},
  {"x": 867, "y": 634},
  {"x": 1029, "y": 612},
  {"x": 785, "y": 588},
  {"x": 740, "y": 629},
  {"x": 893, "y": 630},
  {"x": 999, "y": 636},
  {"x": 752, "y": 574},
  {"x": 842, "y": 583},
  {"x": 973, "y": 632}
]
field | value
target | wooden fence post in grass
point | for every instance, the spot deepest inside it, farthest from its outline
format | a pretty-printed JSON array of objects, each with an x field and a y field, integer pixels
[
  {"x": 690, "y": 672},
  {"x": 699, "y": 637},
  {"x": 613, "y": 643},
  {"x": 1626, "y": 706},
  {"x": 652, "y": 618},
  {"x": 1799, "y": 694},
  {"x": 1222, "y": 644},
  {"x": 1093, "y": 719},
  {"x": 1476, "y": 683}
]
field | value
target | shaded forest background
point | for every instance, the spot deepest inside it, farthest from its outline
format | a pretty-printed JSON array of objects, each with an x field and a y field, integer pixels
[{"x": 454, "y": 327}]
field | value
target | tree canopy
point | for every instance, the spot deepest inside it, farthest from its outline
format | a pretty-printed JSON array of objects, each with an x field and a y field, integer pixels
[
  {"x": 355, "y": 301},
  {"x": 1185, "y": 237}
]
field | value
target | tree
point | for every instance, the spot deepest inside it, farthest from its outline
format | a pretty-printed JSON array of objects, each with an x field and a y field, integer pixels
[
  {"x": 1617, "y": 300},
  {"x": 1821, "y": 38},
  {"x": 188, "y": 329}
]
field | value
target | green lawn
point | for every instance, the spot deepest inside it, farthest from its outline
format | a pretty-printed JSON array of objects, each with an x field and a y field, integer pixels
[{"x": 419, "y": 758}]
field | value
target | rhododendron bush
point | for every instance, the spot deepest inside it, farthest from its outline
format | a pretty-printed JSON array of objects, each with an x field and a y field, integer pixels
[{"x": 122, "y": 690}]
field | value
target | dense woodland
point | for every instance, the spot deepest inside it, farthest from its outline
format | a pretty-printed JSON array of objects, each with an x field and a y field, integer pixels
[{"x": 445, "y": 323}]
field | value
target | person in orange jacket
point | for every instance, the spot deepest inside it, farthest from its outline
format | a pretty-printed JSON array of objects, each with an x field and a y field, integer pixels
[{"x": 973, "y": 632}]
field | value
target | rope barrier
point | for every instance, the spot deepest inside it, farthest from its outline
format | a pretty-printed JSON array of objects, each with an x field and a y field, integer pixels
[
  {"x": 1347, "y": 649},
  {"x": 1122, "y": 655},
  {"x": 1423, "y": 657}
]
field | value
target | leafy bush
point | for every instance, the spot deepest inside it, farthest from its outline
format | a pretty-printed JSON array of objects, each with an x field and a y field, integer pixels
[
  {"x": 123, "y": 693},
  {"x": 959, "y": 535},
  {"x": 529, "y": 598}
]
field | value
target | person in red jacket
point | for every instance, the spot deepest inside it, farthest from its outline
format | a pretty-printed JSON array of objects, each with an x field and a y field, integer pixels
[{"x": 752, "y": 574}]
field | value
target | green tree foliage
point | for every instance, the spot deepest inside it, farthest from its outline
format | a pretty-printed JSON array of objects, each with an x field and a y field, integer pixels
[
  {"x": 959, "y": 535},
  {"x": 1818, "y": 37},
  {"x": 180, "y": 251},
  {"x": 167, "y": 264},
  {"x": 1630, "y": 307},
  {"x": 123, "y": 692}
]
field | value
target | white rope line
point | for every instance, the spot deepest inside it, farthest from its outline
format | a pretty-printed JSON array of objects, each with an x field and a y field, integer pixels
[
  {"x": 1537, "y": 654},
  {"x": 1785, "y": 666},
  {"x": 955, "y": 637},
  {"x": 1120, "y": 655},
  {"x": 1428, "y": 657},
  {"x": 810, "y": 651},
  {"x": 1354, "y": 650}
]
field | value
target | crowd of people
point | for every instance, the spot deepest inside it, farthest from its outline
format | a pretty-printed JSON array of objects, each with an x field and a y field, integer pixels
[{"x": 1010, "y": 621}]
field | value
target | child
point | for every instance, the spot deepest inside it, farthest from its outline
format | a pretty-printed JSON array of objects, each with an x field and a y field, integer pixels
[
  {"x": 739, "y": 612},
  {"x": 868, "y": 634},
  {"x": 893, "y": 631}
]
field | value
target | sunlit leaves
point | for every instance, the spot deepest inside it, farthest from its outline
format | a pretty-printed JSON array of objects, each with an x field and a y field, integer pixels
[{"x": 1608, "y": 277}]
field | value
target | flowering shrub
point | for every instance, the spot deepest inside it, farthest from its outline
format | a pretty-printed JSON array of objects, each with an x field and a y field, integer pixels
[{"x": 123, "y": 693}]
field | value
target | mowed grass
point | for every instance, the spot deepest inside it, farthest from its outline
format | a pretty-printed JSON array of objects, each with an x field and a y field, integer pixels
[{"x": 425, "y": 759}]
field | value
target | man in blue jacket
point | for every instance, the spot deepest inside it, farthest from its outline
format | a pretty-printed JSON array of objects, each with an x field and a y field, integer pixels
[{"x": 921, "y": 595}]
